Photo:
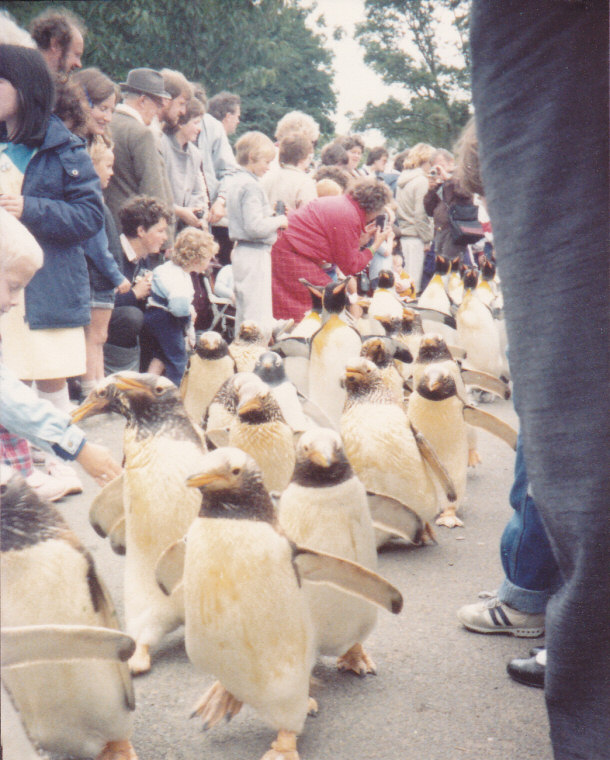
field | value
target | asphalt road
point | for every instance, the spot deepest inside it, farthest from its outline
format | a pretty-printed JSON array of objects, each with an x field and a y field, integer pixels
[{"x": 440, "y": 693}]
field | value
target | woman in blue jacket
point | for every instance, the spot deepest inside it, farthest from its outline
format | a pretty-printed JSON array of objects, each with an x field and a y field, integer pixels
[{"x": 47, "y": 181}]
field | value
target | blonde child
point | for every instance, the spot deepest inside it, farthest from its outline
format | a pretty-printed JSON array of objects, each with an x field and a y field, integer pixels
[
  {"x": 253, "y": 227},
  {"x": 169, "y": 307}
]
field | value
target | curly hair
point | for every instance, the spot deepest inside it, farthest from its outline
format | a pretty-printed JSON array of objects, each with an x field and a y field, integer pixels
[
  {"x": 71, "y": 106},
  {"x": 55, "y": 24},
  {"x": 418, "y": 155},
  {"x": 336, "y": 173},
  {"x": 297, "y": 121},
  {"x": 370, "y": 194},
  {"x": 142, "y": 211},
  {"x": 193, "y": 247}
]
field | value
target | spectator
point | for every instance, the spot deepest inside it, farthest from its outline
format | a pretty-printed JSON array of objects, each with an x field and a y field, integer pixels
[
  {"x": 297, "y": 121},
  {"x": 168, "y": 312},
  {"x": 376, "y": 163},
  {"x": 289, "y": 183},
  {"x": 327, "y": 230},
  {"x": 138, "y": 166},
  {"x": 334, "y": 173},
  {"x": 226, "y": 107},
  {"x": 414, "y": 224},
  {"x": 334, "y": 154},
  {"x": 71, "y": 107},
  {"x": 101, "y": 95},
  {"x": 253, "y": 227},
  {"x": 60, "y": 38},
  {"x": 180, "y": 91},
  {"x": 354, "y": 147},
  {"x": 144, "y": 221}
]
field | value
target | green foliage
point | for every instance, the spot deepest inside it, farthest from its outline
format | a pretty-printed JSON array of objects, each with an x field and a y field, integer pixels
[
  {"x": 264, "y": 52},
  {"x": 401, "y": 41}
]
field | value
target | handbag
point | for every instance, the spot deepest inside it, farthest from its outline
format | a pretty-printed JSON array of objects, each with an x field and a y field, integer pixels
[{"x": 465, "y": 226}]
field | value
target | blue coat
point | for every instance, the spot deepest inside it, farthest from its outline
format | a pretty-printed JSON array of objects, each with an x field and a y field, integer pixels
[{"x": 62, "y": 209}]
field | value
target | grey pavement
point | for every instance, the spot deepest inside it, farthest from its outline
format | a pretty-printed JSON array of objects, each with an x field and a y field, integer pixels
[{"x": 440, "y": 693}]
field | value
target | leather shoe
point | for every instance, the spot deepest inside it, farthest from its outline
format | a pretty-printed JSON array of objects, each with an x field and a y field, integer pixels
[{"x": 527, "y": 671}]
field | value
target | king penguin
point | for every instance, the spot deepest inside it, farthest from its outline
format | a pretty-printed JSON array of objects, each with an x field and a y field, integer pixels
[
  {"x": 162, "y": 446},
  {"x": 207, "y": 369},
  {"x": 77, "y": 707}
]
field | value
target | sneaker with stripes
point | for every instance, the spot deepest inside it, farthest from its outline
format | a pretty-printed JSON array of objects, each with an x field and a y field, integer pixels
[{"x": 490, "y": 615}]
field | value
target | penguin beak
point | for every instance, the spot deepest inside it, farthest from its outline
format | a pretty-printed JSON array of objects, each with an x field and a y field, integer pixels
[
  {"x": 317, "y": 457},
  {"x": 203, "y": 479},
  {"x": 129, "y": 383},
  {"x": 92, "y": 405},
  {"x": 249, "y": 405}
]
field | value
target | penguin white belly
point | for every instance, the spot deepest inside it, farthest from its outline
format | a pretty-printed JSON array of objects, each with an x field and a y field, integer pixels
[
  {"x": 271, "y": 445},
  {"x": 478, "y": 335},
  {"x": 159, "y": 510},
  {"x": 335, "y": 520},
  {"x": 71, "y": 708},
  {"x": 247, "y": 620},
  {"x": 286, "y": 396},
  {"x": 385, "y": 303},
  {"x": 455, "y": 288},
  {"x": 435, "y": 297},
  {"x": 331, "y": 349},
  {"x": 383, "y": 452},
  {"x": 203, "y": 380}
]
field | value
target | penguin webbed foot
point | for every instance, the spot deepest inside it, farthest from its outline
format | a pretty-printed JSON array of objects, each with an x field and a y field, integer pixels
[
  {"x": 312, "y": 707},
  {"x": 118, "y": 750},
  {"x": 474, "y": 458},
  {"x": 217, "y": 703},
  {"x": 139, "y": 662},
  {"x": 449, "y": 519},
  {"x": 283, "y": 748},
  {"x": 428, "y": 536},
  {"x": 357, "y": 661}
]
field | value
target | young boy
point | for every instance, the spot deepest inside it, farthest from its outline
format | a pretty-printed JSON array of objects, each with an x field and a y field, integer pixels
[
  {"x": 253, "y": 227},
  {"x": 169, "y": 307}
]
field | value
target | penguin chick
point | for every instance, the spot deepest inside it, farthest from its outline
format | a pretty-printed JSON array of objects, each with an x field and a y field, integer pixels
[
  {"x": 260, "y": 429},
  {"x": 207, "y": 369},
  {"x": 247, "y": 346},
  {"x": 162, "y": 446},
  {"x": 325, "y": 508},
  {"x": 381, "y": 351},
  {"x": 79, "y": 708}
]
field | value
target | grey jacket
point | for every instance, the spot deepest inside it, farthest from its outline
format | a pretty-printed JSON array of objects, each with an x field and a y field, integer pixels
[
  {"x": 249, "y": 211},
  {"x": 219, "y": 163},
  {"x": 411, "y": 216},
  {"x": 183, "y": 167}
]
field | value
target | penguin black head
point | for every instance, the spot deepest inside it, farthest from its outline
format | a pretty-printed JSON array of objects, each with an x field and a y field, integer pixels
[
  {"x": 320, "y": 459},
  {"x": 488, "y": 270},
  {"x": 270, "y": 368},
  {"x": 378, "y": 351},
  {"x": 316, "y": 292},
  {"x": 441, "y": 265},
  {"x": 231, "y": 486},
  {"x": 149, "y": 403},
  {"x": 250, "y": 332},
  {"x": 471, "y": 278},
  {"x": 436, "y": 384},
  {"x": 363, "y": 379},
  {"x": 455, "y": 264},
  {"x": 433, "y": 348},
  {"x": 256, "y": 404},
  {"x": 334, "y": 298},
  {"x": 26, "y": 518},
  {"x": 386, "y": 279},
  {"x": 411, "y": 322},
  {"x": 211, "y": 345}
]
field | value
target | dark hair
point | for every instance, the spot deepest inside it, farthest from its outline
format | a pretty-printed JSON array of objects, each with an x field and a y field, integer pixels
[
  {"x": 336, "y": 173},
  {"x": 351, "y": 141},
  {"x": 96, "y": 85},
  {"x": 375, "y": 154},
  {"x": 194, "y": 108},
  {"x": 370, "y": 194},
  {"x": 142, "y": 211},
  {"x": 57, "y": 25},
  {"x": 334, "y": 154},
  {"x": 71, "y": 106},
  {"x": 294, "y": 148},
  {"x": 26, "y": 70},
  {"x": 399, "y": 159},
  {"x": 222, "y": 104}
]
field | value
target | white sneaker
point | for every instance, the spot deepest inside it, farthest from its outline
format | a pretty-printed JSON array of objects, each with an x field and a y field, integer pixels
[
  {"x": 47, "y": 487},
  {"x": 490, "y": 615},
  {"x": 66, "y": 474}
]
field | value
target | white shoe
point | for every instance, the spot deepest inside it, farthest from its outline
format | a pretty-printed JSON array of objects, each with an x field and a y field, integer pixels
[
  {"x": 493, "y": 616},
  {"x": 66, "y": 474},
  {"x": 47, "y": 487}
]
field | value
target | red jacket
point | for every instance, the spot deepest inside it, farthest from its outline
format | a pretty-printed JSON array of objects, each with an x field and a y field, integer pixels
[{"x": 327, "y": 229}]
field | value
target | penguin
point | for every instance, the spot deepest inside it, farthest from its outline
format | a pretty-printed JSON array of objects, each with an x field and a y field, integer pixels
[
  {"x": 247, "y": 346},
  {"x": 331, "y": 346},
  {"x": 325, "y": 508},
  {"x": 388, "y": 455},
  {"x": 162, "y": 446},
  {"x": 207, "y": 369},
  {"x": 385, "y": 302},
  {"x": 312, "y": 320},
  {"x": 77, "y": 707},
  {"x": 247, "y": 617},
  {"x": 260, "y": 429},
  {"x": 477, "y": 331},
  {"x": 435, "y": 298},
  {"x": 222, "y": 408},
  {"x": 383, "y": 353},
  {"x": 455, "y": 286}
]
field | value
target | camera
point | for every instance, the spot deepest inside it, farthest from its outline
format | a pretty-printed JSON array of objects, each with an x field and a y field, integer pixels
[
  {"x": 199, "y": 213},
  {"x": 381, "y": 221},
  {"x": 280, "y": 208},
  {"x": 434, "y": 172}
]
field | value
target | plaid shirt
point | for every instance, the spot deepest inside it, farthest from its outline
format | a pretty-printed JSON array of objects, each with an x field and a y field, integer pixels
[{"x": 15, "y": 452}]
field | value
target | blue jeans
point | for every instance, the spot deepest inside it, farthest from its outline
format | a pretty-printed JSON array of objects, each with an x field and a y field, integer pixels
[
  {"x": 530, "y": 568},
  {"x": 165, "y": 335}
]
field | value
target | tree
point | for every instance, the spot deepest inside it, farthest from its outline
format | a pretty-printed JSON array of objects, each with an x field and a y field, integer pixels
[
  {"x": 263, "y": 51},
  {"x": 402, "y": 45}
]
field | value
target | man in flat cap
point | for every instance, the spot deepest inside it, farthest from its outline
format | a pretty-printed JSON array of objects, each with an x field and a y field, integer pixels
[{"x": 138, "y": 166}]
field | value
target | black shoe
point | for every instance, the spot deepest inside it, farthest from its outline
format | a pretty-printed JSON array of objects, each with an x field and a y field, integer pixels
[
  {"x": 527, "y": 671},
  {"x": 534, "y": 650}
]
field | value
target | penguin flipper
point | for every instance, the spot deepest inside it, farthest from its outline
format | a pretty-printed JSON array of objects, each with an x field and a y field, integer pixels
[
  {"x": 492, "y": 424},
  {"x": 436, "y": 316},
  {"x": 107, "y": 507},
  {"x": 486, "y": 381},
  {"x": 319, "y": 567},
  {"x": 16, "y": 744},
  {"x": 170, "y": 567},
  {"x": 393, "y": 516},
  {"x": 117, "y": 539},
  {"x": 313, "y": 411},
  {"x": 184, "y": 382},
  {"x": 457, "y": 352},
  {"x": 430, "y": 457},
  {"x": 39, "y": 643},
  {"x": 291, "y": 347}
]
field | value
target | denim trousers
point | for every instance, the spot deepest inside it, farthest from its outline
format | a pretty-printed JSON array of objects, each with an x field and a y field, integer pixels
[{"x": 531, "y": 571}]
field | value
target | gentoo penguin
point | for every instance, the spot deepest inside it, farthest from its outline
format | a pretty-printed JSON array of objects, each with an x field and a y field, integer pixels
[
  {"x": 387, "y": 454},
  {"x": 260, "y": 429},
  {"x": 478, "y": 331},
  {"x": 435, "y": 298},
  {"x": 331, "y": 346},
  {"x": 247, "y": 346},
  {"x": 384, "y": 353},
  {"x": 385, "y": 302},
  {"x": 207, "y": 369},
  {"x": 162, "y": 446},
  {"x": 247, "y": 617},
  {"x": 79, "y": 708}
]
